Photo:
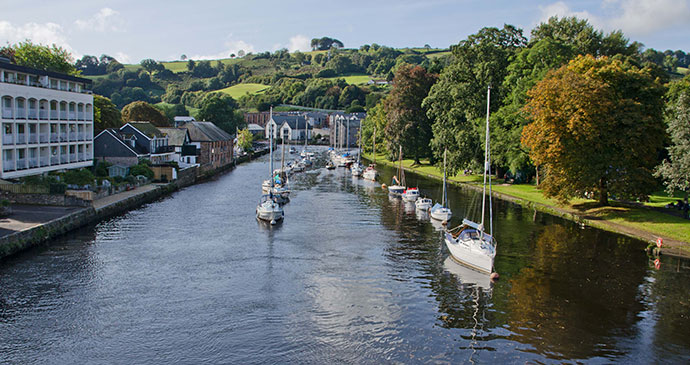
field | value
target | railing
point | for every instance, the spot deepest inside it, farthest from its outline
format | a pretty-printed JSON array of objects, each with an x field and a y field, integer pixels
[
  {"x": 7, "y": 165},
  {"x": 72, "y": 157},
  {"x": 63, "y": 115},
  {"x": 21, "y": 113},
  {"x": 43, "y": 114},
  {"x": 33, "y": 162},
  {"x": 72, "y": 136},
  {"x": 63, "y": 136},
  {"x": 81, "y": 156},
  {"x": 54, "y": 114},
  {"x": 80, "y": 116},
  {"x": 54, "y": 160},
  {"x": 21, "y": 163},
  {"x": 44, "y": 137},
  {"x": 89, "y": 117},
  {"x": 165, "y": 149},
  {"x": 33, "y": 138},
  {"x": 63, "y": 158},
  {"x": 54, "y": 137},
  {"x": 45, "y": 161},
  {"x": 7, "y": 139},
  {"x": 82, "y": 136},
  {"x": 72, "y": 116},
  {"x": 33, "y": 114},
  {"x": 21, "y": 138},
  {"x": 7, "y": 113}
]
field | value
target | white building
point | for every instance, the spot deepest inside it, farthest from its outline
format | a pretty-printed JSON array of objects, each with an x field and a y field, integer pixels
[
  {"x": 289, "y": 127},
  {"x": 47, "y": 121}
]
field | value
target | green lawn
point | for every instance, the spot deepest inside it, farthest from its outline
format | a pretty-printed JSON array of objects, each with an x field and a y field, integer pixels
[
  {"x": 630, "y": 215},
  {"x": 353, "y": 79},
  {"x": 438, "y": 54},
  {"x": 236, "y": 91}
]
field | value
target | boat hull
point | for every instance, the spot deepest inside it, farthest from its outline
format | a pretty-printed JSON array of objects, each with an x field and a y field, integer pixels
[
  {"x": 269, "y": 215},
  {"x": 443, "y": 214},
  {"x": 396, "y": 190},
  {"x": 370, "y": 175},
  {"x": 469, "y": 253}
]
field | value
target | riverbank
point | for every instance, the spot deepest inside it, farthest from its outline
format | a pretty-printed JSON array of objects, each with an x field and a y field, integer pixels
[
  {"x": 635, "y": 220},
  {"x": 32, "y": 225}
]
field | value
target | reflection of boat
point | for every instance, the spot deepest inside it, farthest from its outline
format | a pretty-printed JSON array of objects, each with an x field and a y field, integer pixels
[
  {"x": 438, "y": 225},
  {"x": 409, "y": 207},
  {"x": 398, "y": 186},
  {"x": 468, "y": 243},
  {"x": 422, "y": 215},
  {"x": 440, "y": 211},
  {"x": 423, "y": 204},
  {"x": 410, "y": 195},
  {"x": 466, "y": 275}
]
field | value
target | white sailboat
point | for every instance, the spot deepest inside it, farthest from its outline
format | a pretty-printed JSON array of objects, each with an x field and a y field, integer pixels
[
  {"x": 356, "y": 167},
  {"x": 469, "y": 243},
  {"x": 398, "y": 186},
  {"x": 268, "y": 209},
  {"x": 441, "y": 212},
  {"x": 370, "y": 172}
]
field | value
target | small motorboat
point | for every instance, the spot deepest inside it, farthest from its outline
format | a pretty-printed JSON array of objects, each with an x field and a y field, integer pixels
[
  {"x": 423, "y": 204},
  {"x": 410, "y": 195}
]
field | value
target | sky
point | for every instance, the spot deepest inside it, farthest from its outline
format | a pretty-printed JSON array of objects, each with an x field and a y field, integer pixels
[{"x": 166, "y": 29}]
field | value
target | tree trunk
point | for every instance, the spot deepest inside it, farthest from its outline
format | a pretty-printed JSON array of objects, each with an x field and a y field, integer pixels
[
  {"x": 537, "y": 168},
  {"x": 603, "y": 192}
]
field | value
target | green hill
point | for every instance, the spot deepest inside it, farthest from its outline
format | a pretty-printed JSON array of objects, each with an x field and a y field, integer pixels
[{"x": 236, "y": 91}]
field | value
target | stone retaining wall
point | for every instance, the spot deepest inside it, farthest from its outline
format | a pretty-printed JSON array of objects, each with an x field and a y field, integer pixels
[{"x": 45, "y": 199}]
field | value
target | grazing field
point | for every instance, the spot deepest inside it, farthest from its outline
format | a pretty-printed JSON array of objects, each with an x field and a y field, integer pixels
[
  {"x": 353, "y": 79},
  {"x": 181, "y": 66},
  {"x": 236, "y": 91}
]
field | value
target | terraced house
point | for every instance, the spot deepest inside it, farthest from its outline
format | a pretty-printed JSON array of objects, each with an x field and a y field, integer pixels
[{"x": 47, "y": 121}]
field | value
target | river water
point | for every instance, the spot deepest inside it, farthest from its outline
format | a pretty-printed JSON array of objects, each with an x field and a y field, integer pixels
[{"x": 350, "y": 276}]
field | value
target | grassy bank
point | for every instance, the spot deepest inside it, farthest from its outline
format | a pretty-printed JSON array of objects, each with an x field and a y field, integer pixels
[{"x": 637, "y": 220}]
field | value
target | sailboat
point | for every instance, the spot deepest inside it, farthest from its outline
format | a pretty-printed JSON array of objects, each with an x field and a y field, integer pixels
[
  {"x": 268, "y": 209},
  {"x": 469, "y": 243},
  {"x": 356, "y": 168},
  {"x": 441, "y": 212},
  {"x": 398, "y": 186},
  {"x": 370, "y": 172}
]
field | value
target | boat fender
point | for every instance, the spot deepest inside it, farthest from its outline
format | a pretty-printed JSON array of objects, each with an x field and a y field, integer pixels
[
  {"x": 657, "y": 264},
  {"x": 384, "y": 186},
  {"x": 494, "y": 276}
]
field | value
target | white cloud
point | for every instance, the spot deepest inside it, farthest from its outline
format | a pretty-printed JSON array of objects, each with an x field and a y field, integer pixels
[
  {"x": 46, "y": 34},
  {"x": 231, "y": 47},
  {"x": 106, "y": 19},
  {"x": 299, "y": 43},
  {"x": 122, "y": 57},
  {"x": 633, "y": 17}
]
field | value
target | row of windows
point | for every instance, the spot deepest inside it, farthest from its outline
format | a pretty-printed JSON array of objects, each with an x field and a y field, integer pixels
[
  {"x": 26, "y": 158},
  {"x": 20, "y": 108},
  {"x": 12, "y": 77}
]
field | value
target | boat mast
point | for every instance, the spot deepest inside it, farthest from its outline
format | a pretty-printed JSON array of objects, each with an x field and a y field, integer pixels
[
  {"x": 374, "y": 143},
  {"x": 359, "y": 153},
  {"x": 486, "y": 153},
  {"x": 347, "y": 137},
  {"x": 306, "y": 132},
  {"x": 444, "y": 178},
  {"x": 270, "y": 147}
]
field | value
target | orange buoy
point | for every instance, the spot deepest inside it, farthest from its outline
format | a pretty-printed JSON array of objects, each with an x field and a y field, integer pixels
[
  {"x": 494, "y": 276},
  {"x": 657, "y": 264},
  {"x": 384, "y": 186}
]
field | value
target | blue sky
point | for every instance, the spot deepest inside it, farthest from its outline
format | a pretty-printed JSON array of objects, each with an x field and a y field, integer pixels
[{"x": 132, "y": 30}]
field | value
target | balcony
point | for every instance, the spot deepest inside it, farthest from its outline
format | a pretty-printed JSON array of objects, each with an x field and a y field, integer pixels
[
  {"x": 45, "y": 161},
  {"x": 21, "y": 138},
  {"x": 72, "y": 116},
  {"x": 82, "y": 136},
  {"x": 21, "y": 113},
  {"x": 164, "y": 149},
  {"x": 54, "y": 160},
  {"x": 7, "y": 113},
  {"x": 8, "y": 165},
  {"x": 63, "y": 136},
  {"x": 72, "y": 136},
  {"x": 21, "y": 163},
  {"x": 63, "y": 115},
  {"x": 80, "y": 156},
  {"x": 63, "y": 158},
  {"x": 81, "y": 116},
  {"x": 33, "y": 162},
  {"x": 43, "y": 114},
  {"x": 54, "y": 137},
  {"x": 33, "y": 114},
  {"x": 7, "y": 139},
  {"x": 53, "y": 114},
  {"x": 44, "y": 137},
  {"x": 33, "y": 138}
]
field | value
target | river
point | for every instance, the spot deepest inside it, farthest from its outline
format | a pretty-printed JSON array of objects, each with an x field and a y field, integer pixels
[{"x": 350, "y": 276}]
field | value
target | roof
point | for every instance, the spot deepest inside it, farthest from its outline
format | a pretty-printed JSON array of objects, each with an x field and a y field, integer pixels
[
  {"x": 176, "y": 136},
  {"x": 294, "y": 121},
  {"x": 254, "y": 127},
  {"x": 30, "y": 70},
  {"x": 120, "y": 138},
  {"x": 146, "y": 128},
  {"x": 206, "y": 132}
]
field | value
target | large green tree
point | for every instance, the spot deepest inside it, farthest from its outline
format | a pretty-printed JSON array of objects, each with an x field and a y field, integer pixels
[
  {"x": 49, "y": 58},
  {"x": 221, "y": 109},
  {"x": 676, "y": 169},
  {"x": 106, "y": 114},
  {"x": 596, "y": 126},
  {"x": 408, "y": 125},
  {"x": 141, "y": 111},
  {"x": 457, "y": 102},
  {"x": 376, "y": 119}
]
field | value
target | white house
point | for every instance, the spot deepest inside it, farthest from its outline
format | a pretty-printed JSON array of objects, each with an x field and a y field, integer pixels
[
  {"x": 47, "y": 121},
  {"x": 289, "y": 127}
]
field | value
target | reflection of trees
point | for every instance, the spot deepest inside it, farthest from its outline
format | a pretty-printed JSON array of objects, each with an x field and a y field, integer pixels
[
  {"x": 580, "y": 291},
  {"x": 669, "y": 293}
]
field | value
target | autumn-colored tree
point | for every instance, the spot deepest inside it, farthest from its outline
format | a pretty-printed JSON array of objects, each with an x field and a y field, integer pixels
[
  {"x": 596, "y": 126},
  {"x": 141, "y": 111},
  {"x": 408, "y": 124},
  {"x": 105, "y": 114}
]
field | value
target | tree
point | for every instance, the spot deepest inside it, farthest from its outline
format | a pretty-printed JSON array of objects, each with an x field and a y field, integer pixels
[
  {"x": 240, "y": 53},
  {"x": 150, "y": 65},
  {"x": 408, "y": 125},
  {"x": 244, "y": 139},
  {"x": 140, "y": 111},
  {"x": 376, "y": 116},
  {"x": 105, "y": 114},
  {"x": 457, "y": 102},
  {"x": 183, "y": 57},
  {"x": 220, "y": 109},
  {"x": 596, "y": 126},
  {"x": 325, "y": 43},
  {"x": 675, "y": 171},
  {"x": 48, "y": 58}
]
